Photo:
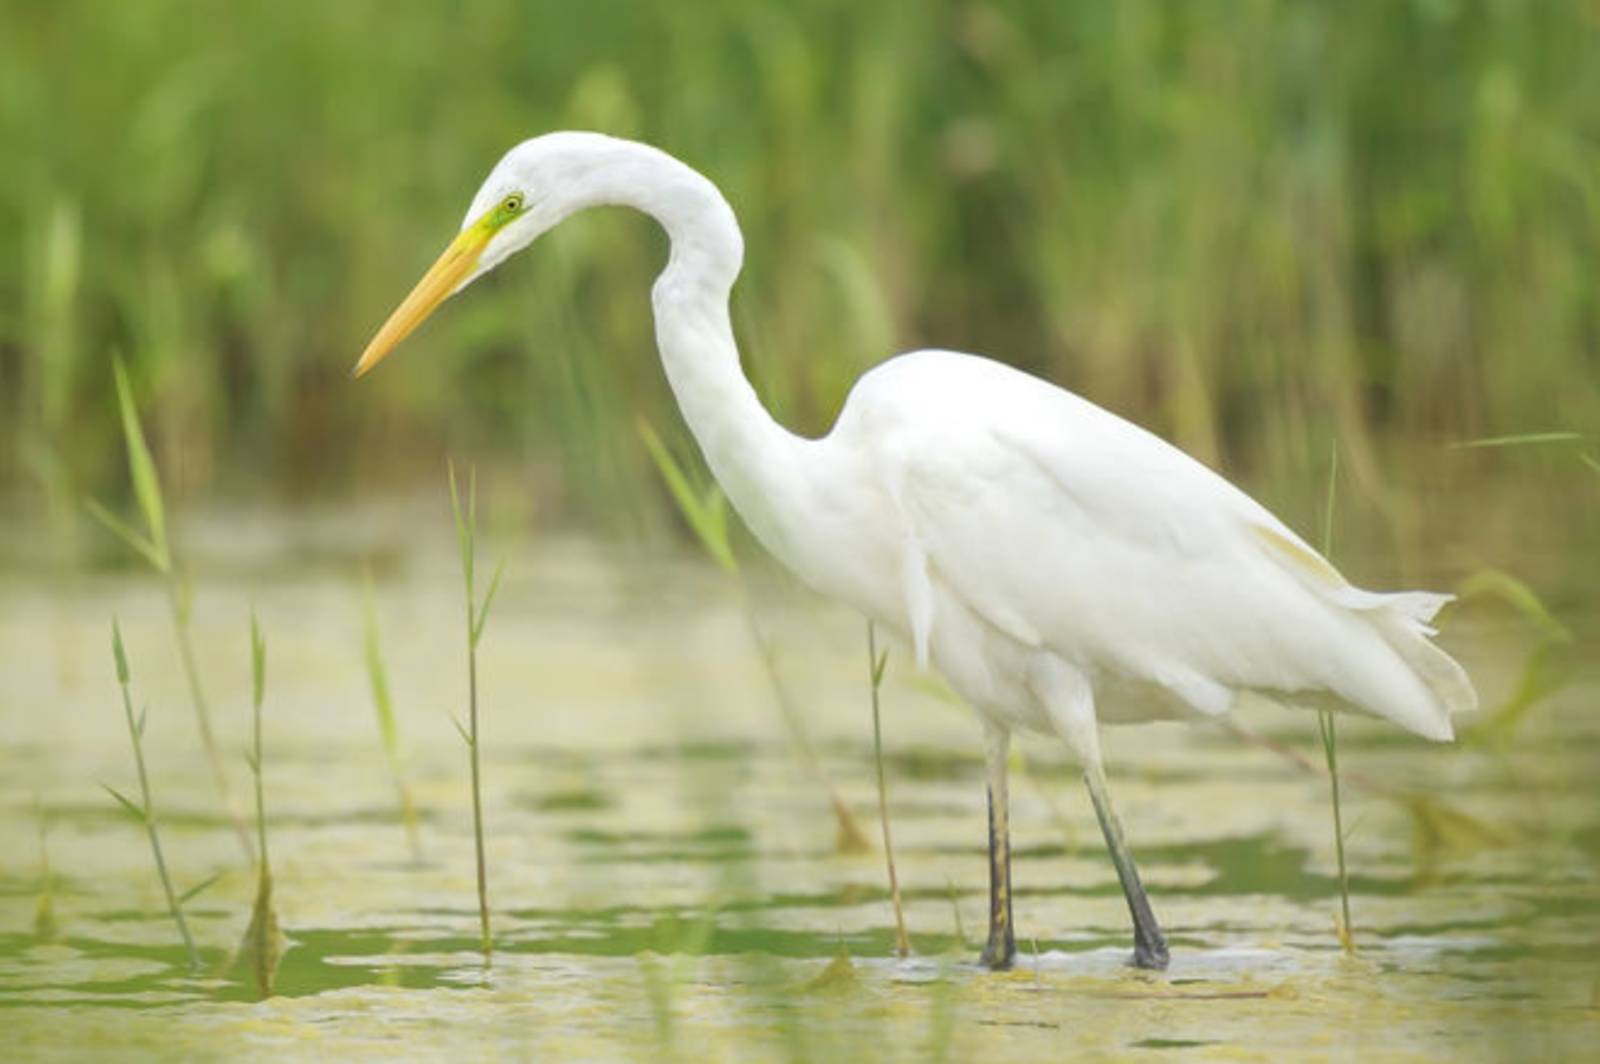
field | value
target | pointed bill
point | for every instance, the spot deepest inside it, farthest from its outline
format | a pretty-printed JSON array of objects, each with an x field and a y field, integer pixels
[{"x": 442, "y": 278}]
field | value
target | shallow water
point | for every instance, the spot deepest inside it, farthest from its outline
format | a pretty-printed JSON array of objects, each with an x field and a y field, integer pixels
[{"x": 663, "y": 872}]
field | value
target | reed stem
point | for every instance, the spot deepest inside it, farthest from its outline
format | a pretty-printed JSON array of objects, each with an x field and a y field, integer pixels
[
  {"x": 477, "y": 614},
  {"x": 1330, "y": 742},
  {"x": 178, "y": 598},
  {"x": 875, "y": 667},
  {"x": 146, "y": 810}
]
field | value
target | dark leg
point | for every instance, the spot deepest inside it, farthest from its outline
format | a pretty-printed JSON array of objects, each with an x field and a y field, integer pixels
[
  {"x": 1001, "y": 950},
  {"x": 1149, "y": 944}
]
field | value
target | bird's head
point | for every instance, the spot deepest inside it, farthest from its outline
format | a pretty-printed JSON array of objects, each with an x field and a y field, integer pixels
[{"x": 530, "y": 190}]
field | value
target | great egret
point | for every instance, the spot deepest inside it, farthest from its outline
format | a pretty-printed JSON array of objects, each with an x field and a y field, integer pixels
[{"x": 1059, "y": 565}]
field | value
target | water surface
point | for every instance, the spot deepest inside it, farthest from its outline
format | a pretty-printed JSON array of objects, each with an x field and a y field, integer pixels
[{"x": 663, "y": 870}]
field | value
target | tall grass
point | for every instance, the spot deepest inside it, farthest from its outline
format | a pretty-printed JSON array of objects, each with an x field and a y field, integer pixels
[
  {"x": 144, "y": 810},
  {"x": 876, "y": 664},
  {"x": 46, "y": 928},
  {"x": 383, "y": 707},
  {"x": 1326, "y": 731},
  {"x": 151, "y": 544},
  {"x": 477, "y": 615},
  {"x": 262, "y": 947},
  {"x": 705, "y": 510},
  {"x": 1215, "y": 221}
]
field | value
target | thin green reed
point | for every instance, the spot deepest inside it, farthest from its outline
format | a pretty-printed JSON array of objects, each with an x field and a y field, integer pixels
[
  {"x": 261, "y": 948},
  {"x": 153, "y": 545},
  {"x": 477, "y": 615},
  {"x": 144, "y": 811},
  {"x": 388, "y": 726},
  {"x": 1330, "y": 744},
  {"x": 876, "y": 664},
  {"x": 45, "y": 926},
  {"x": 705, "y": 510},
  {"x": 258, "y": 685}
]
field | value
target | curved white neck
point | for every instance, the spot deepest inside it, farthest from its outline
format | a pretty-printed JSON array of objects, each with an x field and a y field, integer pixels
[{"x": 753, "y": 457}]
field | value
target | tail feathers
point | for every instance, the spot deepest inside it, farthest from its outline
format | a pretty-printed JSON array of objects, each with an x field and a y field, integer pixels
[
  {"x": 1405, "y": 629},
  {"x": 1417, "y": 607}
]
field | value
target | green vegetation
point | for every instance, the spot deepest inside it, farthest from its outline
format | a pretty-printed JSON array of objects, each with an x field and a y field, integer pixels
[
  {"x": 1256, "y": 229},
  {"x": 153, "y": 546},
  {"x": 1218, "y": 221},
  {"x": 705, "y": 510},
  {"x": 144, "y": 811},
  {"x": 477, "y": 616},
  {"x": 262, "y": 947},
  {"x": 1330, "y": 741},
  {"x": 383, "y": 706},
  {"x": 46, "y": 927},
  {"x": 876, "y": 664}
]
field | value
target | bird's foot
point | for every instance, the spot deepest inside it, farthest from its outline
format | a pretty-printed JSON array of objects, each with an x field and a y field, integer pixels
[
  {"x": 999, "y": 955},
  {"x": 1150, "y": 954}
]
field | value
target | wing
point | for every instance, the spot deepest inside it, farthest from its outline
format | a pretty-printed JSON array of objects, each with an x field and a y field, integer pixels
[{"x": 1069, "y": 528}]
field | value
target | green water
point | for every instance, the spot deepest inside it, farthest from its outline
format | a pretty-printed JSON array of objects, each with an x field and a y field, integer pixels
[{"x": 663, "y": 872}]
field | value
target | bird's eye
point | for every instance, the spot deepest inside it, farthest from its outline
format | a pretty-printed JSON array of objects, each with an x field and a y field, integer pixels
[{"x": 513, "y": 202}]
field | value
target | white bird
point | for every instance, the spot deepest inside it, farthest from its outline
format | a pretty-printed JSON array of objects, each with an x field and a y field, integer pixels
[{"x": 1058, "y": 565}]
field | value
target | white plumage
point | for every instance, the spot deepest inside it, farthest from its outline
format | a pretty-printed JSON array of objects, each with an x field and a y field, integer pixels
[
  {"x": 1032, "y": 522},
  {"x": 1059, "y": 565}
]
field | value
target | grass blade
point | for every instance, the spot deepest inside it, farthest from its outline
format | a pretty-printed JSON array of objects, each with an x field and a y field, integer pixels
[
  {"x": 1523, "y": 439},
  {"x": 388, "y": 726},
  {"x": 146, "y": 810},
  {"x": 704, "y": 512},
  {"x": 262, "y": 948},
  {"x": 126, "y": 532},
  {"x": 118, "y": 654},
  {"x": 154, "y": 546},
  {"x": 1498, "y": 584},
  {"x": 198, "y": 889},
  {"x": 1326, "y": 729},
  {"x": 377, "y": 675},
  {"x": 258, "y": 668},
  {"x": 128, "y": 805},
  {"x": 45, "y": 926},
  {"x": 142, "y": 469},
  {"x": 488, "y": 599},
  {"x": 876, "y": 664},
  {"x": 476, "y": 616}
]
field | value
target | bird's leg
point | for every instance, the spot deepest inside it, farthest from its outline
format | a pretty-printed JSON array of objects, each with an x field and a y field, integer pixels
[
  {"x": 1001, "y": 950},
  {"x": 1149, "y": 944}
]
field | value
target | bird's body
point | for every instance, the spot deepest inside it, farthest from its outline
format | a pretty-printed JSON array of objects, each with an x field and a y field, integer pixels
[
  {"x": 1057, "y": 564},
  {"x": 1007, "y": 527}
]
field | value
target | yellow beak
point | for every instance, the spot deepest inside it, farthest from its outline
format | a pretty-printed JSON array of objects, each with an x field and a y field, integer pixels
[{"x": 435, "y": 287}]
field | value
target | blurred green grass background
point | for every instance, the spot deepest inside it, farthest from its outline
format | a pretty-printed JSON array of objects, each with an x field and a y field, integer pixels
[{"x": 1256, "y": 228}]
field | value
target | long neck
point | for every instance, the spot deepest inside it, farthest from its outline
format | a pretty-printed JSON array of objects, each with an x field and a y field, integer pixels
[{"x": 755, "y": 459}]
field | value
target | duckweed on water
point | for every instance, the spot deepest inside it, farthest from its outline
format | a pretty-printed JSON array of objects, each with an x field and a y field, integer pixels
[{"x": 693, "y": 854}]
